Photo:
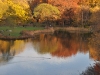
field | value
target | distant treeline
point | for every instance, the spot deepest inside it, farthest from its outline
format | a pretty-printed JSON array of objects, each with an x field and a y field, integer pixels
[{"x": 50, "y": 12}]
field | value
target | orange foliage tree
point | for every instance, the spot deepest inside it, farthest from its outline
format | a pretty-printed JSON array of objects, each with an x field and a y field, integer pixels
[{"x": 65, "y": 7}]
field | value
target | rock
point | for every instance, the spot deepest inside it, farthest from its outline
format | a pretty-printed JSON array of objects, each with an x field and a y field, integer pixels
[{"x": 10, "y": 30}]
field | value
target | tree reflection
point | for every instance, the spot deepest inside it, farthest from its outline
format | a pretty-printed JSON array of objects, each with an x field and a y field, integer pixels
[
  {"x": 46, "y": 43},
  {"x": 92, "y": 70},
  {"x": 94, "y": 51},
  {"x": 8, "y": 49},
  {"x": 95, "y": 46},
  {"x": 61, "y": 44},
  {"x": 71, "y": 44}
]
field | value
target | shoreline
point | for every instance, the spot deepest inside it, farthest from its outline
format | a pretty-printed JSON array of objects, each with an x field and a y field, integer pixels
[{"x": 30, "y": 34}]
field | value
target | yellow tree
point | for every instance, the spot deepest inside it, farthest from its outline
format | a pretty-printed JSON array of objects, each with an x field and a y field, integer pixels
[
  {"x": 3, "y": 8},
  {"x": 44, "y": 12},
  {"x": 15, "y": 13}
]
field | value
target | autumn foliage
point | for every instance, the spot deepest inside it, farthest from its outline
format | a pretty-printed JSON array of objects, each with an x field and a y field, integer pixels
[{"x": 72, "y": 12}]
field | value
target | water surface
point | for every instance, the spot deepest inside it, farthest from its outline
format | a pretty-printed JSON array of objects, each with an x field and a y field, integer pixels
[{"x": 61, "y": 53}]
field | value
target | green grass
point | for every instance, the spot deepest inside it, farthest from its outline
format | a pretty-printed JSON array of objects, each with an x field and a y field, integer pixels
[{"x": 15, "y": 31}]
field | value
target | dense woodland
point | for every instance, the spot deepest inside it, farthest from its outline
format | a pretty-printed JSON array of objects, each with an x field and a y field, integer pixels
[{"x": 50, "y": 12}]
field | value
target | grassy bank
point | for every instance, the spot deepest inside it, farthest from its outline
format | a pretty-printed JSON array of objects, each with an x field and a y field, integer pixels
[
  {"x": 15, "y": 31},
  {"x": 7, "y": 32}
]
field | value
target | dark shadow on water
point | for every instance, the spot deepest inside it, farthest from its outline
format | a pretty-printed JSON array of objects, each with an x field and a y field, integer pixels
[
  {"x": 94, "y": 52},
  {"x": 92, "y": 70}
]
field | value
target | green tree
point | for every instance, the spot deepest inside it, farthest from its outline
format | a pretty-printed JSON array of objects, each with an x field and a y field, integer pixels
[{"x": 44, "y": 12}]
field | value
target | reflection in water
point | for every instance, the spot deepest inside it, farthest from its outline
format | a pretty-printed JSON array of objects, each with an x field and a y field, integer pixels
[
  {"x": 61, "y": 44},
  {"x": 94, "y": 53},
  {"x": 95, "y": 46},
  {"x": 92, "y": 70},
  {"x": 8, "y": 49},
  {"x": 61, "y": 54}
]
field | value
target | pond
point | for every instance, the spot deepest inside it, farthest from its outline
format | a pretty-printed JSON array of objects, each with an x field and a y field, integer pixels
[{"x": 59, "y": 53}]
